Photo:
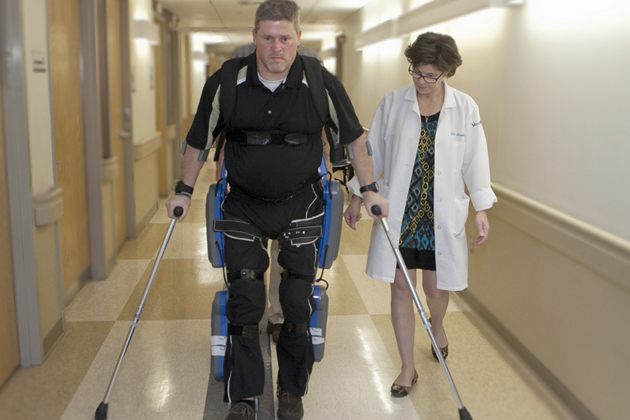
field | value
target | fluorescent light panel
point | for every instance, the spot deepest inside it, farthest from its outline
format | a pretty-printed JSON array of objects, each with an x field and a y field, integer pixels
[
  {"x": 424, "y": 16},
  {"x": 143, "y": 29}
]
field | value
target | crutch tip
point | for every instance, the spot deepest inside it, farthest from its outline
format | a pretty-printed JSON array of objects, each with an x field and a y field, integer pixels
[
  {"x": 464, "y": 414},
  {"x": 101, "y": 412}
]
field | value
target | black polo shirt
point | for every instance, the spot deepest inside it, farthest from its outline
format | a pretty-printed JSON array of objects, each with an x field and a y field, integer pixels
[{"x": 274, "y": 170}]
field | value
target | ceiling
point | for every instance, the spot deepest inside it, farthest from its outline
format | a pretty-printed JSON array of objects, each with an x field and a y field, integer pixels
[{"x": 228, "y": 23}]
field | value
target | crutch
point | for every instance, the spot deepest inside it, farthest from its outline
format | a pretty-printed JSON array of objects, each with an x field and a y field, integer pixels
[
  {"x": 463, "y": 412},
  {"x": 101, "y": 411}
]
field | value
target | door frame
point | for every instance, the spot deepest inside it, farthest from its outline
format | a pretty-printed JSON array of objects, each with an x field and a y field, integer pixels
[
  {"x": 19, "y": 186},
  {"x": 127, "y": 133}
]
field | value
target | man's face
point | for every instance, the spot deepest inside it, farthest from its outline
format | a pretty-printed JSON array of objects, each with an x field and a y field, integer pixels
[{"x": 276, "y": 47}]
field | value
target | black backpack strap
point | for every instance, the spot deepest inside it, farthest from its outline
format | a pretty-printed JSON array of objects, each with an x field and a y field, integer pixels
[
  {"x": 324, "y": 106},
  {"x": 227, "y": 96},
  {"x": 313, "y": 70}
]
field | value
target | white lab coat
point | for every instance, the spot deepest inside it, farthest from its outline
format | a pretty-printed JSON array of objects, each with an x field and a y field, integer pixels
[{"x": 461, "y": 156}]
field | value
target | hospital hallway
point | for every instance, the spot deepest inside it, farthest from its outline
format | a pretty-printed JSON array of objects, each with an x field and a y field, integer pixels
[
  {"x": 97, "y": 100},
  {"x": 166, "y": 371}
]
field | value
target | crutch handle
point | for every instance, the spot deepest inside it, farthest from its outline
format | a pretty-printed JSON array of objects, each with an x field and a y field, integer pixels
[
  {"x": 178, "y": 211},
  {"x": 376, "y": 209}
]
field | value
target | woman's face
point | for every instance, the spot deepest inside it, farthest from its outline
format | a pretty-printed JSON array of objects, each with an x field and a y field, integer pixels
[{"x": 424, "y": 72}]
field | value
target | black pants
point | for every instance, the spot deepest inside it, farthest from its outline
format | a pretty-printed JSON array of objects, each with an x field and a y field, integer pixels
[{"x": 243, "y": 365}]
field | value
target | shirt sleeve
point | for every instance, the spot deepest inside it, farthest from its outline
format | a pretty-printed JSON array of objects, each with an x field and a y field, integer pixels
[
  {"x": 476, "y": 165},
  {"x": 376, "y": 137},
  {"x": 350, "y": 128},
  {"x": 201, "y": 135}
]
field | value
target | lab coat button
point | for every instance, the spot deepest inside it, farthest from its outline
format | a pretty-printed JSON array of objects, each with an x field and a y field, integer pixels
[
  {"x": 439, "y": 227},
  {"x": 439, "y": 253},
  {"x": 439, "y": 172}
]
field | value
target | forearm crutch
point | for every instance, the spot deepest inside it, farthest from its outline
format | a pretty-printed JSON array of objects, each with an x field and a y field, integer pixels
[
  {"x": 101, "y": 411},
  {"x": 463, "y": 412}
]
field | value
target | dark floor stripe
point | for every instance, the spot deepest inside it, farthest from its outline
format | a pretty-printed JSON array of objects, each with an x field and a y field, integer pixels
[{"x": 216, "y": 409}]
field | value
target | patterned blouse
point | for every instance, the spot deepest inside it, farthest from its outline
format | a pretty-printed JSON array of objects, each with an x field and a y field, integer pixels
[{"x": 417, "y": 226}]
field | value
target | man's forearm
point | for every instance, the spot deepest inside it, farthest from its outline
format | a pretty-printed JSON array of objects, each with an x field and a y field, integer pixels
[{"x": 191, "y": 166}]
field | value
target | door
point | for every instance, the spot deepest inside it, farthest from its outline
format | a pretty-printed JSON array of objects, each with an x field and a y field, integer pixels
[
  {"x": 9, "y": 348},
  {"x": 116, "y": 118},
  {"x": 65, "y": 74}
]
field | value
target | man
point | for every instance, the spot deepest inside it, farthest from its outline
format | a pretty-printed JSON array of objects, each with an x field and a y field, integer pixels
[
  {"x": 274, "y": 312},
  {"x": 272, "y": 151}
]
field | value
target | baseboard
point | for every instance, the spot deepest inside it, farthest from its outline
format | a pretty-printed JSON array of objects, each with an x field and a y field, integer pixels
[
  {"x": 52, "y": 338},
  {"x": 147, "y": 218}
]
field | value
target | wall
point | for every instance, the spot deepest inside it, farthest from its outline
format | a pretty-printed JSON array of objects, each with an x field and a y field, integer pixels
[
  {"x": 143, "y": 76},
  {"x": 147, "y": 140},
  {"x": 549, "y": 77}
]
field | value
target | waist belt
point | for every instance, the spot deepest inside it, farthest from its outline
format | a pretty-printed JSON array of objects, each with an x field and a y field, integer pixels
[
  {"x": 261, "y": 138},
  {"x": 306, "y": 184}
]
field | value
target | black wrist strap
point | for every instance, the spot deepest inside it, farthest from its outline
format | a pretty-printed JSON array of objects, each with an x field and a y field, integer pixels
[
  {"x": 369, "y": 187},
  {"x": 181, "y": 187}
]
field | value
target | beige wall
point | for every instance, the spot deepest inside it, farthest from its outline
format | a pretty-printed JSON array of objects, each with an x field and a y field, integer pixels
[
  {"x": 143, "y": 76},
  {"x": 147, "y": 193},
  {"x": 558, "y": 290}
]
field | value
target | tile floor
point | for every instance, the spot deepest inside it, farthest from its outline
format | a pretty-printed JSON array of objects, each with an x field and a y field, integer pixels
[{"x": 165, "y": 373}]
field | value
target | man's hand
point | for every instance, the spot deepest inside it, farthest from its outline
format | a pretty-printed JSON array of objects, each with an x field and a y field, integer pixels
[
  {"x": 182, "y": 201},
  {"x": 353, "y": 213}
]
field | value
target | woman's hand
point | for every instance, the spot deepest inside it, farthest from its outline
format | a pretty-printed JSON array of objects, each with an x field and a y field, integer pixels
[
  {"x": 483, "y": 227},
  {"x": 353, "y": 213}
]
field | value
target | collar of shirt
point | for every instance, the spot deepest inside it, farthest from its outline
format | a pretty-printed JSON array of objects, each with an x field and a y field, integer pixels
[{"x": 294, "y": 77}]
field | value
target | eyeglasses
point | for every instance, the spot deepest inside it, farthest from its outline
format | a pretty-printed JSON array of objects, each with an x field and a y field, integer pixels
[{"x": 427, "y": 79}]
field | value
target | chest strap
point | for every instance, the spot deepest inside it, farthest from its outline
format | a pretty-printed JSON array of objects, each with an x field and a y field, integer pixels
[{"x": 261, "y": 138}]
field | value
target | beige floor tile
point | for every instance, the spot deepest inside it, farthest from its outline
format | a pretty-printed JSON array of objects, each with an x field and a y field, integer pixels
[
  {"x": 356, "y": 242},
  {"x": 43, "y": 392},
  {"x": 352, "y": 381},
  {"x": 102, "y": 300},
  {"x": 344, "y": 298},
  {"x": 182, "y": 289},
  {"x": 189, "y": 240},
  {"x": 146, "y": 246},
  {"x": 164, "y": 374},
  {"x": 490, "y": 385}
]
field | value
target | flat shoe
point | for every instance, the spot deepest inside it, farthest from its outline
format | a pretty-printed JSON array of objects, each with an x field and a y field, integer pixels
[
  {"x": 399, "y": 391},
  {"x": 443, "y": 350}
]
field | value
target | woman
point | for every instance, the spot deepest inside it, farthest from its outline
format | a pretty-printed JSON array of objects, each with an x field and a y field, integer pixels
[{"x": 428, "y": 145}]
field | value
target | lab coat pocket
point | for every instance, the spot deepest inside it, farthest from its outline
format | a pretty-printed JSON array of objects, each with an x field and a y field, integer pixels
[{"x": 461, "y": 214}]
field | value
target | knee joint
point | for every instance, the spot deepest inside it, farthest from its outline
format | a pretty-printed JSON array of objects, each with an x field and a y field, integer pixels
[
  {"x": 245, "y": 273},
  {"x": 245, "y": 331},
  {"x": 295, "y": 327},
  {"x": 286, "y": 274}
]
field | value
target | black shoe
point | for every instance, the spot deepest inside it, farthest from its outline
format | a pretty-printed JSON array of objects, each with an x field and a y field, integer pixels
[
  {"x": 241, "y": 411},
  {"x": 289, "y": 406},
  {"x": 274, "y": 330},
  {"x": 400, "y": 391},
  {"x": 443, "y": 350}
]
